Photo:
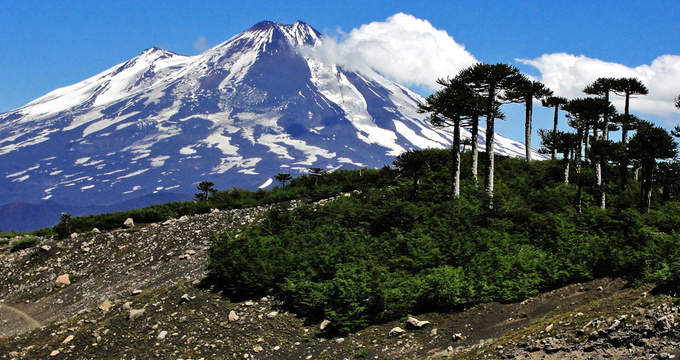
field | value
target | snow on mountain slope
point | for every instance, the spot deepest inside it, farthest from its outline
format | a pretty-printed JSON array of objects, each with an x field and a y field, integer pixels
[{"x": 238, "y": 114}]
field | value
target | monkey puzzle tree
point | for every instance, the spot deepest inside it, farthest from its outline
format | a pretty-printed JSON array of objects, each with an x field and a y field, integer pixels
[
  {"x": 525, "y": 92},
  {"x": 449, "y": 106},
  {"x": 584, "y": 114},
  {"x": 555, "y": 102},
  {"x": 627, "y": 87},
  {"x": 602, "y": 87},
  {"x": 282, "y": 178},
  {"x": 553, "y": 141},
  {"x": 414, "y": 164},
  {"x": 206, "y": 188},
  {"x": 490, "y": 81},
  {"x": 649, "y": 144}
]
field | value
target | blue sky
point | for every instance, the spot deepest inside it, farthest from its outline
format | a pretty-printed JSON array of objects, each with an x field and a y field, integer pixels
[{"x": 51, "y": 44}]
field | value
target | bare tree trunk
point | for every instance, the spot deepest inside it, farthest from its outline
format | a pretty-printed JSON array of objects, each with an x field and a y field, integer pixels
[
  {"x": 566, "y": 167},
  {"x": 475, "y": 150},
  {"x": 488, "y": 181},
  {"x": 528, "y": 106},
  {"x": 554, "y": 153},
  {"x": 456, "y": 159},
  {"x": 603, "y": 186}
]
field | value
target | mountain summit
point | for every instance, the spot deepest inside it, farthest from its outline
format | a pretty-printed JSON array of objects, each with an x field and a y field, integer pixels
[{"x": 256, "y": 105}]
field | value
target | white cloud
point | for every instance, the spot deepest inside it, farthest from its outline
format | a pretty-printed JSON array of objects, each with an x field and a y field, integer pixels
[
  {"x": 404, "y": 48},
  {"x": 568, "y": 74},
  {"x": 201, "y": 44}
]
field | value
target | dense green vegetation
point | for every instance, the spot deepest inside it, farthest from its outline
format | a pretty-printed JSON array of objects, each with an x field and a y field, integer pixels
[{"x": 383, "y": 253}]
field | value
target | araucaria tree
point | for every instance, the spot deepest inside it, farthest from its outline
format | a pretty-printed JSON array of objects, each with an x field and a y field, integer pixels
[
  {"x": 490, "y": 81},
  {"x": 649, "y": 144},
  {"x": 628, "y": 87},
  {"x": 206, "y": 188},
  {"x": 449, "y": 107},
  {"x": 525, "y": 92},
  {"x": 585, "y": 114},
  {"x": 282, "y": 178},
  {"x": 555, "y": 102},
  {"x": 602, "y": 87}
]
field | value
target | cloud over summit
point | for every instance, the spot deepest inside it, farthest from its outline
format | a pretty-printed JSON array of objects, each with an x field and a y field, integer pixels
[{"x": 407, "y": 49}]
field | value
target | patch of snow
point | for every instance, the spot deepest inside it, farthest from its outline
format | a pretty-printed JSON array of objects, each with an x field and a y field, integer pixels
[{"x": 266, "y": 183}]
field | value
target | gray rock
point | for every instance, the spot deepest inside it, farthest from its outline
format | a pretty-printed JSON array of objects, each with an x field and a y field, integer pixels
[
  {"x": 129, "y": 223},
  {"x": 272, "y": 314}
]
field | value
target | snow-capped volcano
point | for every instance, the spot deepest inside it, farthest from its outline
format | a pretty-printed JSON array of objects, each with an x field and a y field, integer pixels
[{"x": 247, "y": 109}]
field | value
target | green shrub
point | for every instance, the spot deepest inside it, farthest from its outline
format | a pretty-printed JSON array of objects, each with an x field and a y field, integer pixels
[{"x": 24, "y": 243}]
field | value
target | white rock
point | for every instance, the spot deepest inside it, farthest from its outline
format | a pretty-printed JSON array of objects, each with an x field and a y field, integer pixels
[
  {"x": 396, "y": 331},
  {"x": 96, "y": 231},
  {"x": 45, "y": 248},
  {"x": 162, "y": 335},
  {"x": 324, "y": 324},
  {"x": 233, "y": 316},
  {"x": 415, "y": 323},
  {"x": 272, "y": 314},
  {"x": 129, "y": 223}
]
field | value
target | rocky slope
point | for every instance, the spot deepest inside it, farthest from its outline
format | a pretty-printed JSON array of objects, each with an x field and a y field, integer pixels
[{"x": 137, "y": 293}]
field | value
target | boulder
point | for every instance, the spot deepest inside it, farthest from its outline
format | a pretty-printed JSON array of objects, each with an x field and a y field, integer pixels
[
  {"x": 45, "y": 248},
  {"x": 62, "y": 280},
  {"x": 324, "y": 324},
  {"x": 415, "y": 323},
  {"x": 96, "y": 231},
  {"x": 233, "y": 316},
  {"x": 272, "y": 314},
  {"x": 129, "y": 223},
  {"x": 396, "y": 331}
]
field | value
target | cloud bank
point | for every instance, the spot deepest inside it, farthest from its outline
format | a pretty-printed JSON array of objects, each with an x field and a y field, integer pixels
[
  {"x": 568, "y": 74},
  {"x": 404, "y": 48}
]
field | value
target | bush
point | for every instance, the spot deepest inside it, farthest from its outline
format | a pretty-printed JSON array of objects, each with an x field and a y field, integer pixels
[{"x": 24, "y": 243}]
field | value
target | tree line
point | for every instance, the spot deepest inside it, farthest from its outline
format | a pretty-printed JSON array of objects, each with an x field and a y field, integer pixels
[{"x": 481, "y": 90}]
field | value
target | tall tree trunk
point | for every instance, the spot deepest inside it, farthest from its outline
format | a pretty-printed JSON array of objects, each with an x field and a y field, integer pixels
[
  {"x": 456, "y": 158},
  {"x": 577, "y": 167},
  {"x": 603, "y": 185},
  {"x": 566, "y": 167},
  {"x": 475, "y": 151},
  {"x": 528, "y": 106},
  {"x": 647, "y": 173},
  {"x": 623, "y": 168},
  {"x": 554, "y": 152},
  {"x": 488, "y": 181}
]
